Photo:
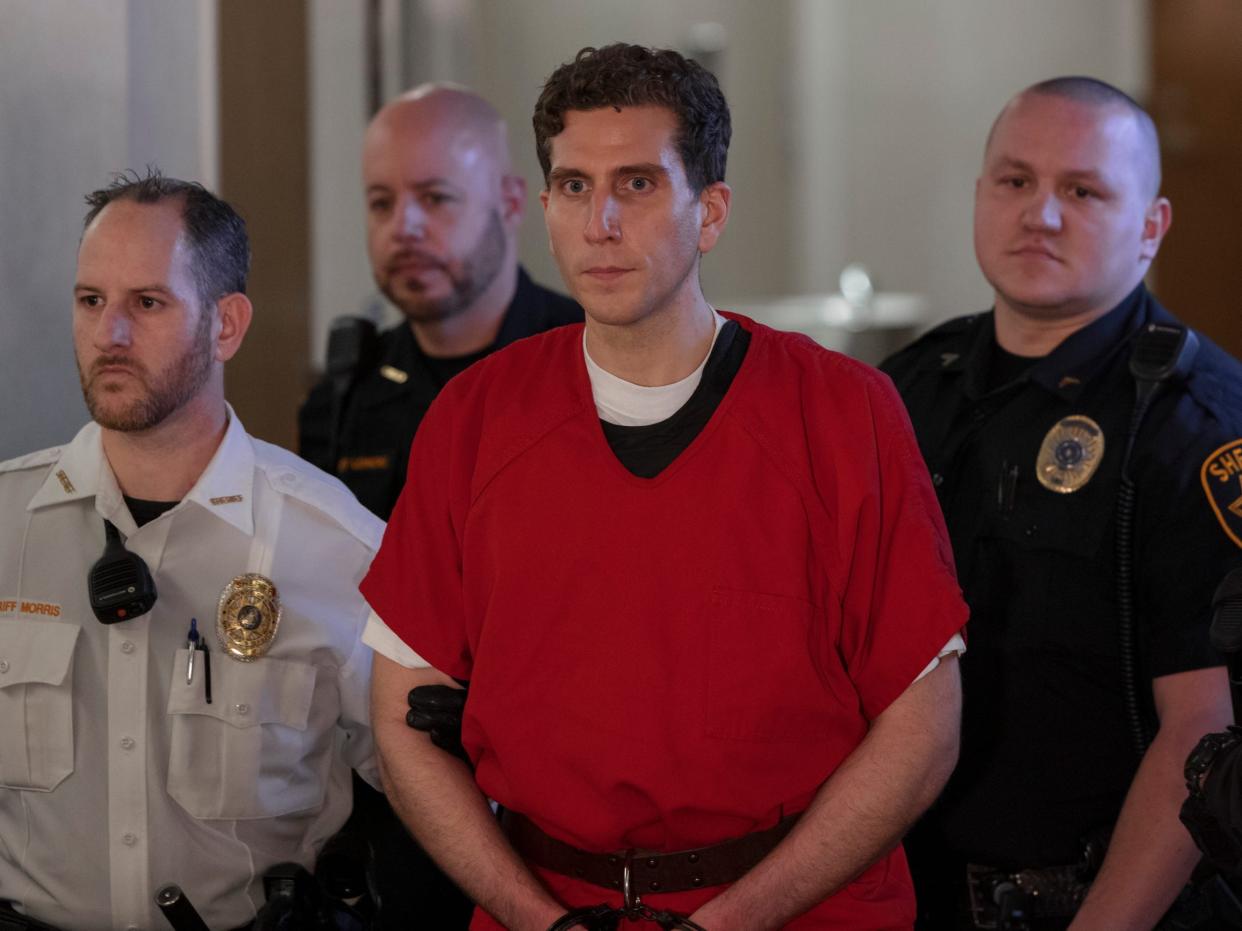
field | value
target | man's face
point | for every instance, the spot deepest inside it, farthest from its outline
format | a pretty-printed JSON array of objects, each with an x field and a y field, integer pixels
[
  {"x": 625, "y": 227},
  {"x": 1063, "y": 221},
  {"x": 144, "y": 344},
  {"x": 434, "y": 228}
]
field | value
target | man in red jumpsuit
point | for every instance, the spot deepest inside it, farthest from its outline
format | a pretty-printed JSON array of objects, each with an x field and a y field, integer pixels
[{"x": 692, "y": 568}]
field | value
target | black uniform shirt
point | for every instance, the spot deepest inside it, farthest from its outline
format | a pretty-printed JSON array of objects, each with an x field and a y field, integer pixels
[
  {"x": 1046, "y": 756},
  {"x": 388, "y": 401}
]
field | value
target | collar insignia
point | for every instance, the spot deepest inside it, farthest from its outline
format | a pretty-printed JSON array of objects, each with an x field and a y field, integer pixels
[
  {"x": 394, "y": 374},
  {"x": 64, "y": 482},
  {"x": 248, "y": 616},
  {"x": 1069, "y": 455},
  {"x": 227, "y": 499}
]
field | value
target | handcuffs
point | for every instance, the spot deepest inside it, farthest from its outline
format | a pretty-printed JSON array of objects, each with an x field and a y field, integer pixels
[
  {"x": 436, "y": 710},
  {"x": 606, "y": 918}
]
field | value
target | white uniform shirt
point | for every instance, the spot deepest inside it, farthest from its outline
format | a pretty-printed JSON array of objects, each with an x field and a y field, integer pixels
[{"x": 118, "y": 776}]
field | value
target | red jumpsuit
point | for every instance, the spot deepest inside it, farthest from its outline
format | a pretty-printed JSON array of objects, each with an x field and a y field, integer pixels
[{"x": 669, "y": 662}]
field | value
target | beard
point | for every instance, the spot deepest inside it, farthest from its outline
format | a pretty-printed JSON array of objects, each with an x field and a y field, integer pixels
[
  {"x": 163, "y": 392},
  {"x": 469, "y": 277}
]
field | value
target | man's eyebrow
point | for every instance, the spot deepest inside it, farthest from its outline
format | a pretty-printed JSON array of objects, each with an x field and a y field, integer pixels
[
  {"x": 564, "y": 173},
  {"x": 145, "y": 289},
  {"x": 644, "y": 168},
  {"x": 1009, "y": 162},
  {"x": 417, "y": 185}
]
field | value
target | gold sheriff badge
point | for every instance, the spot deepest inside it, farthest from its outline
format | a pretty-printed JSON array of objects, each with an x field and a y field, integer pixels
[
  {"x": 248, "y": 616},
  {"x": 1070, "y": 454}
]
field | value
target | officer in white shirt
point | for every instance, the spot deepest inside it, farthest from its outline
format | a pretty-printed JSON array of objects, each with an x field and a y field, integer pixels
[{"x": 211, "y": 737}]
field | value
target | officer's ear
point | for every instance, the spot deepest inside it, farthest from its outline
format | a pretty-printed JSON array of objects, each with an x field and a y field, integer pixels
[
  {"x": 512, "y": 200},
  {"x": 233, "y": 314},
  {"x": 1156, "y": 222}
]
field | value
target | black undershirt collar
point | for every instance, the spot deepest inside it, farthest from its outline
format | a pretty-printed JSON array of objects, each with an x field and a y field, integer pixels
[
  {"x": 647, "y": 450},
  {"x": 143, "y": 512}
]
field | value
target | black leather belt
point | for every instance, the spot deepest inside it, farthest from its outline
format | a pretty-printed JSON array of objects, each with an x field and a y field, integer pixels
[{"x": 634, "y": 872}]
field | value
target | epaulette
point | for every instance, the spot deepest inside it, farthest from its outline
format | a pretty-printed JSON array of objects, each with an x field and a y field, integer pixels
[
  {"x": 43, "y": 457},
  {"x": 954, "y": 327},
  {"x": 299, "y": 479},
  {"x": 948, "y": 331},
  {"x": 1215, "y": 380}
]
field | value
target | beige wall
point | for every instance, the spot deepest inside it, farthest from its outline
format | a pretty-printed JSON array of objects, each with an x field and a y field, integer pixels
[{"x": 86, "y": 89}]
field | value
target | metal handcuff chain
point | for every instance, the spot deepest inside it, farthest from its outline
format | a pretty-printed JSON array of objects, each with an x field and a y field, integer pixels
[{"x": 606, "y": 918}]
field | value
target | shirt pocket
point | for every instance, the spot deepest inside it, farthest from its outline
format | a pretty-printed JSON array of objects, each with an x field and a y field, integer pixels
[
  {"x": 762, "y": 682},
  {"x": 36, "y": 703},
  {"x": 248, "y": 754}
]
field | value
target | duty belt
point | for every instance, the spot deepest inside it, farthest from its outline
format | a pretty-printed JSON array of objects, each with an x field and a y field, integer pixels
[
  {"x": 1009, "y": 901},
  {"x": 636, "y": 871}
]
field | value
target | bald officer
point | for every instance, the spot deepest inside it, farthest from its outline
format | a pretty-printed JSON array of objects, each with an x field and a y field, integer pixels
[
  {"x": 207, "y": 736},
  {"x": 443, "y": 210},
  {"x": 1093, "y": 510}
]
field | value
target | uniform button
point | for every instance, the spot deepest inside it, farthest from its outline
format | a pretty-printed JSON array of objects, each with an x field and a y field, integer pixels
[
  {"x": 1032, "y": 530},
  {"x": 651, "y": 862},
  {"x": 129, "y": 839},
  {"x": 937, "y": 479},
  {"x": 127, "y": 646},
  {"x": 4, "y": 665},
  {"x": 288, "y": 479},
  {"x": 654, "y": 885},
  {"x": 693, "y": 858},
  {"x": 127, "y": 743},
  {"x": 242, "y": 708}
]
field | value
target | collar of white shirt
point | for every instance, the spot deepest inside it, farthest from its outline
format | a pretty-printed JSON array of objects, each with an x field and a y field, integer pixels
[
  {"x": 225, "y": 488},
  {"x": 620, "y": 402}
]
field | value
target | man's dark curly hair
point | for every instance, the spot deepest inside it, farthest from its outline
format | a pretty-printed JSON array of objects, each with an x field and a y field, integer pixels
[
  {"x": 623, "y": 75},
  {"x": 217, "y": 235}
]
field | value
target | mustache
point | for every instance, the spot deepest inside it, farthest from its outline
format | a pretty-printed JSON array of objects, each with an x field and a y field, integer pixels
[
  {"x": 412, "y": 257},
  {"x": 124, "y": 361}
]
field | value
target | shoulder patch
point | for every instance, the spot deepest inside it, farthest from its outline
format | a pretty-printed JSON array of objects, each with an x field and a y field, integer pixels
[{"x": 1222, "y": 483}]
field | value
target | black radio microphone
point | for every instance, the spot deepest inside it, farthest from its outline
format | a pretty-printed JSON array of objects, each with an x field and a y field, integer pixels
[{"x": 119, "y": 584}]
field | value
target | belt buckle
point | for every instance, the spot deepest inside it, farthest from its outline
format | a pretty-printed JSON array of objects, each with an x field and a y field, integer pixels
[{"x": 632, "y": 900}]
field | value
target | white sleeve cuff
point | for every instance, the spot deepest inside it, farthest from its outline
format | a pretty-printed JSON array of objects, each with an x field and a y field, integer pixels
[
  {"x": 955, "y": 646},
  {"x": 380, "y": 638}
]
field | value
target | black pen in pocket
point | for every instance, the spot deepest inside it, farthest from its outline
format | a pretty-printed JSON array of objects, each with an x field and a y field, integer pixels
[{"x": 202, "y": 645}]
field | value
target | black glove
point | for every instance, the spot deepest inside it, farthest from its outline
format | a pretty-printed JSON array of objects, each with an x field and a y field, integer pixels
[
  {"x": 436, "y": 710},
  {"x": 1213, "y": 812}
]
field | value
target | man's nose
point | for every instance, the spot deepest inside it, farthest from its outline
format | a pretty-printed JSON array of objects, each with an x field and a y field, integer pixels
[
  {"x": 604, "y": 221},
  {"x": 1043, "y": 212},
  {"x": 411, "y": 218},
  {"x": 113, "y": 328}
]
